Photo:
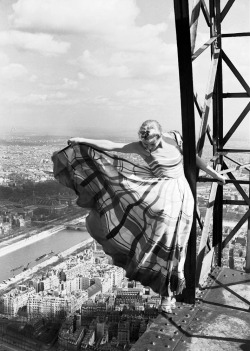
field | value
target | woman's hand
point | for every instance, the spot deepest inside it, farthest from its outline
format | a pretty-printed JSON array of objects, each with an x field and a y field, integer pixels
[
  {"x": 210, "y": 171},
  {"x": 221, "y": 179}
]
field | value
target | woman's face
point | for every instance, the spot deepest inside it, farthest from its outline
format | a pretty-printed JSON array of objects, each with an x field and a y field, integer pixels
[{"x": 151, "y": 144}]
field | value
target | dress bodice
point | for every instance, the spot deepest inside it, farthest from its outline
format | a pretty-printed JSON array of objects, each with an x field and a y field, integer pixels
[{"x": 165, "y": 164}]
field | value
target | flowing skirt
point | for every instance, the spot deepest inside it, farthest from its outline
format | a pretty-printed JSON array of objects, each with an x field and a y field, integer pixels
[{"x": 141, "y": 221}]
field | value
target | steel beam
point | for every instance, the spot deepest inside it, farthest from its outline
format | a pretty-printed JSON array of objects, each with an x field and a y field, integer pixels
[
  {"x": 188, "y": 129},
  {"x": 217, "y": 131},
  {"x": 208, "y": 100},
  {"x": 186, "y": 43}
]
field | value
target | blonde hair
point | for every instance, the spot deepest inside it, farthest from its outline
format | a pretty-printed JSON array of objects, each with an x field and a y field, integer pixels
[{"x": 150, "y": 129}]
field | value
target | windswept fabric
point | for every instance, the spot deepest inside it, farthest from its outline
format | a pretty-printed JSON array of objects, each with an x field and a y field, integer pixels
[{"x": 141, "y": 215}]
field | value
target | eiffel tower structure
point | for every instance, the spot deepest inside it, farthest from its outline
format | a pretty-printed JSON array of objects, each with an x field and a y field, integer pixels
[{"x": 215, "y": 311}]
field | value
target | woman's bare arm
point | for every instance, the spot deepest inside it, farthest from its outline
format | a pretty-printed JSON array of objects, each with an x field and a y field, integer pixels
[
  {"x": 209, "y": 170},
  {"x": 107, "y": 145}
]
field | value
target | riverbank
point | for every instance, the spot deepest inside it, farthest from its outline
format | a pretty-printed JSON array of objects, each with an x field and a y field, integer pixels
[
  {"x": 52, "y": 260},
  {"x": 6, "y": 248}
]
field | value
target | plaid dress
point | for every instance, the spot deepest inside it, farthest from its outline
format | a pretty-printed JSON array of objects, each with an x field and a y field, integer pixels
[{"x": 141, "y": 215}]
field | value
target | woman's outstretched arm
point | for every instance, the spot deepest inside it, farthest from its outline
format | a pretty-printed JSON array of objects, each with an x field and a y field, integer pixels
[
  {"x": 209, "y": 170},
  {"x": 106, "y": 145}
]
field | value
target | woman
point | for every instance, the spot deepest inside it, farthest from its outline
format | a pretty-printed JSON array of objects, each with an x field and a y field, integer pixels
[{"x": 140, "y": 213}]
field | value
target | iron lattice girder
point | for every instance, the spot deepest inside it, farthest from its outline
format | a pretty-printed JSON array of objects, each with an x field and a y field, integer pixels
[
  {"x": 214, "y": 18},
  {"x": 208, "y": 100},
  {"x": 188, "y": 128}
]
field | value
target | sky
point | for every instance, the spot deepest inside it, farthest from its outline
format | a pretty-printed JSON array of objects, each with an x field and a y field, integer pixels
[{"x": 85, "y": 67}]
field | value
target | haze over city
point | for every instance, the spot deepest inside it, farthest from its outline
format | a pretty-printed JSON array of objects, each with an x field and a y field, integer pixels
[{"x": 101, "y": 68}]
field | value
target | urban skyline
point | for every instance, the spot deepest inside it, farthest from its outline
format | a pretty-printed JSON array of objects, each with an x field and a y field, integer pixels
[{"x": 75, "y": 296}]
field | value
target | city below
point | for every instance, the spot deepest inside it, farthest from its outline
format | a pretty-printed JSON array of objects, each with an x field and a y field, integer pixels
[{"x": 73, "y": 298}]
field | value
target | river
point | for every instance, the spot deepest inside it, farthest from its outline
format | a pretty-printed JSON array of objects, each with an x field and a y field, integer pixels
[{"x": 57, "y": 242}]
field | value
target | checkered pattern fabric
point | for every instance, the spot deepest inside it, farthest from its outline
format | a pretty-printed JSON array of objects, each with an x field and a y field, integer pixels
[{"x": 141, "y": 215}]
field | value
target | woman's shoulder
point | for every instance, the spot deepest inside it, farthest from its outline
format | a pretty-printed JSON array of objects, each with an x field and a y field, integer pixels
[{"x": 174, "y": 135}]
